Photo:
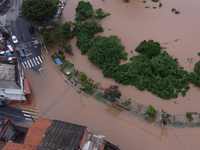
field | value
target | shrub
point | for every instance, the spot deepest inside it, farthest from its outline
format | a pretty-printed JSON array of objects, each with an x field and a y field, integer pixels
[
  {"x": 155, "y": 1},
  {"x": 189, "y": 116},
  {"x": 151, "y": 111},
  {"x": 67, "y": 47},
  {"x": 177, "y": 12},
  {"x": 197, "y": 68},
  {"x": 160, "y": 4},
  {"x": 127, "y": 102},
  {"x": 60, "y": 52},
  {"x": 173, "y": 9},
  {"x": 99, "y": 14},
  {"x": 126, "y": 1}
]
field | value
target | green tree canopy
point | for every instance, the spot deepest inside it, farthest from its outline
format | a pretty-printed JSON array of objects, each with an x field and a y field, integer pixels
[
  {"x": 36, "y": 11},
  {"x": 149, "y": 48}
]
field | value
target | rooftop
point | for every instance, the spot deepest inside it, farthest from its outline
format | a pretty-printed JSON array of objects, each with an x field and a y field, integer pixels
[
  {"x": 47, "y": 134},
  {"x": 8, "y": 74},
  {"x": 62, "y": 135}
]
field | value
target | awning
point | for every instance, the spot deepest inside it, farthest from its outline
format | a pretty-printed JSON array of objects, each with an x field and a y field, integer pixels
[
  {"x": 58, "y": 62},
  {"x": 26, "y": 87}
]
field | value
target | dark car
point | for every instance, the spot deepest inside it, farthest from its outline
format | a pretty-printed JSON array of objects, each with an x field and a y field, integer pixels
[
  {"x": 2, "y": 103},
  {"x": 30, "y": 28},
  {"x": 21, "y": 53}
]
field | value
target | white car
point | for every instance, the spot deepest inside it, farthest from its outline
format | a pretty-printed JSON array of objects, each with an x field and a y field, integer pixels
[{"x": 14, "y": 39}]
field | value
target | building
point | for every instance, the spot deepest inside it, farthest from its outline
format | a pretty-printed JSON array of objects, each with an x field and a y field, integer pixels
[
  {"x": 10, "y": 132},
  {"x": 47, "y": 134},
  {"x": 13, "y": 85}
]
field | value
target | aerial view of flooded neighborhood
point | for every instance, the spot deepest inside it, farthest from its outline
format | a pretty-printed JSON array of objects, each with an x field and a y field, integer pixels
[{"x": 99, "y": 75}]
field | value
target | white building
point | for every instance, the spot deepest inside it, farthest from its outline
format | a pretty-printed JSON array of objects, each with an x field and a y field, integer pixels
[{"x": 13, "y": 85}]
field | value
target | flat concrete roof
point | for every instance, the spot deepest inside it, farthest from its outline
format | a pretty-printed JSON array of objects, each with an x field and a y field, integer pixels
[{"x": 7, "y": 76}]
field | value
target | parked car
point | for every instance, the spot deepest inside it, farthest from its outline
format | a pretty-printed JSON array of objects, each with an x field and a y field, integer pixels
[
  {"x": 14, "y": 39},
  {"x": 21, "y": 53},
  {"x": 2, "y": 103},
  {"x": 30, "y": 28}
]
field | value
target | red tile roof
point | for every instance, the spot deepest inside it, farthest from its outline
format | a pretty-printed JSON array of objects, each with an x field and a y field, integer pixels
[{"x": 33, "y": 138}]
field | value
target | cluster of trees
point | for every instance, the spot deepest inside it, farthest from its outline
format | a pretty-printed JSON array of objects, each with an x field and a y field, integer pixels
[{"x": 157, "y": 72}]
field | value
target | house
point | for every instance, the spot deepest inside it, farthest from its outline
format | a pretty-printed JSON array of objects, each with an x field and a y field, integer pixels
[
  {"x": 47, "y": 134},
  {"x": 10, "y": 132},
  {"x": 13, "y": 85}
]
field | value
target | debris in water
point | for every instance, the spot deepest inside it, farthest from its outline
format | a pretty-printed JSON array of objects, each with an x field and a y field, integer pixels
[{"x": 176, "y": 102}]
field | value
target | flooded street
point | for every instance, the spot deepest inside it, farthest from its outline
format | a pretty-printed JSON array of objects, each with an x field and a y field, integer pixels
[{"x": 132, "y": 23}]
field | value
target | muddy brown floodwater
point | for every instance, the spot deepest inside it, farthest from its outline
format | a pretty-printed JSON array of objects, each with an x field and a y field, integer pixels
[{"x": 132, "y": 23}]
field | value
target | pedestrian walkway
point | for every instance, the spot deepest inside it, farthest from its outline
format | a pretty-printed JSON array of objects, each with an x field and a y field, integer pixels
[
  {"x": 27, "y": 64},
  {"x": 30, "y": 114}
]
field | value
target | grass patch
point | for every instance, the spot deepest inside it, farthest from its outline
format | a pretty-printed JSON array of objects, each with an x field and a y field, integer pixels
[
  {"x": 88, "y": 90},
  {"x": 99, "y": 97}
]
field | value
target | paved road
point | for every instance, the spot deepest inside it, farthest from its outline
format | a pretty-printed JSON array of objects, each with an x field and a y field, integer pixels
[{"x": 18, "y": 27}]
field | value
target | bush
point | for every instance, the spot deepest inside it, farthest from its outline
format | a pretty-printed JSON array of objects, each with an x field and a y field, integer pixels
[
  {"x": 151, "y": 111},
  {"x": 67, "y": 47},
  {"x": 126, "y": 1},
  {"x": 177, "y": 12},
  {"x": 155, "y": 1},
  {"x": 160, "y": 4},
  {"x": 173, "y": 9},
  {"x": 112, "y": 92},
  {"x": 60, "y": 52},
  {"x": 99, "y": 14},
  {"x": 189, "y": 116}
]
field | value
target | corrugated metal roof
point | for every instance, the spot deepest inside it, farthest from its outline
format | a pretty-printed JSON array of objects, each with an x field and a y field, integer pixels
[{"x": 62, "y": 135}]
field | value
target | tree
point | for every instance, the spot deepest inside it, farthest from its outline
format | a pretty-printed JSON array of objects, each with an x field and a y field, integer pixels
[
  {"x": 149, "y": 48},
  {"x": 84, "y": 10},
  {"x": 37, "y": 11},
  {"x": 63, "y": 32},
  {"x": 112, "y": 92},
  {"x": 49, "y": 41},
  {"x": 151, "y": 111}
]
